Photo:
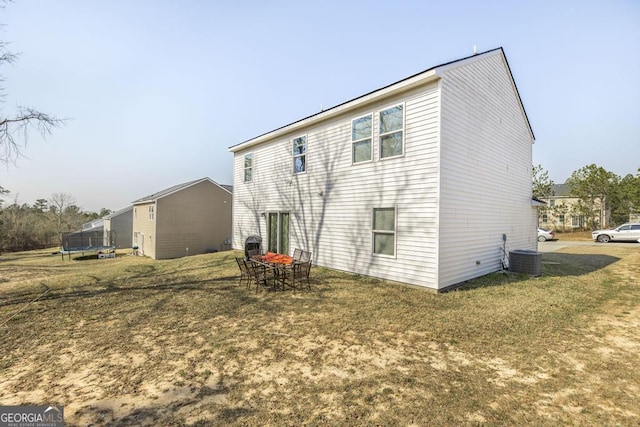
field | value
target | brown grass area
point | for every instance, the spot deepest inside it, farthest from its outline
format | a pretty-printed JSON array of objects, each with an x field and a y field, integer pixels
[
  {"x": 574, "y": 235},
  {"x": 132, "y": 341}
]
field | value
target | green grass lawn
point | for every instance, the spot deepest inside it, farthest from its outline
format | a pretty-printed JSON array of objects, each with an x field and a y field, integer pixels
[{"x": 132, "y": 341}]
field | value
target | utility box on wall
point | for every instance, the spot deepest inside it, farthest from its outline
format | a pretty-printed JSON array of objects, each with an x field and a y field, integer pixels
[{"x": 525, "y": 261}]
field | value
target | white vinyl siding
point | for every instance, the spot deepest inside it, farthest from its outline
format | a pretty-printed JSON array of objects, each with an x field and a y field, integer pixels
[
  {"x": 486, "y": 159},
  {"x": 331, "y": 208}
]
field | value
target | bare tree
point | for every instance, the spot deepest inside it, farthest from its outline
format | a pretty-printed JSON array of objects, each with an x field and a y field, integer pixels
[
  {"x": 14, "y": 126},
  {"x": 59, "y": 204}
]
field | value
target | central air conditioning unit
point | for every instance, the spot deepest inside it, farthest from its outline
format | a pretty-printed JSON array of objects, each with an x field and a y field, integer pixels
[{"x": 525, "y": 261}]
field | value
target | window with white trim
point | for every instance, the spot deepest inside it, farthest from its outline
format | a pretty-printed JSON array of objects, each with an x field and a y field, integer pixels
[
  {"x": 361, "y": 134},
  {"x": 300, "y": 154},
  {"x": 248, "y": 167},
  {"x": 152, "y": 212},
  {"x": 384, "y": 231},
  {"x": 391, "y": 132}
]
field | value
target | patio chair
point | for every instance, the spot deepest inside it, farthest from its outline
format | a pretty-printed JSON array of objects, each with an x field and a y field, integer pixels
[
  {"x": 298, "y": 272},
  {"x": 297, "y": 254},
  {"x": 305, "y": 257},
  {"x": 244, "y": 272},
  {"x": 261, "y": 274}
]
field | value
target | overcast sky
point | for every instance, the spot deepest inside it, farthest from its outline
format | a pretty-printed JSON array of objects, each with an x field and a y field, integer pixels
[{"x": 156, "y": 91}]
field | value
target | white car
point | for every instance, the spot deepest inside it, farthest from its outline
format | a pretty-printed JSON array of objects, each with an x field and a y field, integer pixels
[
  {"x": 624, "y": 233},
  {"x": 544, "y": 235}
]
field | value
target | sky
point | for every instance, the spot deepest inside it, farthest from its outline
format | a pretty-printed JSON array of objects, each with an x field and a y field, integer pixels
[{"x": 154, "y": 92}]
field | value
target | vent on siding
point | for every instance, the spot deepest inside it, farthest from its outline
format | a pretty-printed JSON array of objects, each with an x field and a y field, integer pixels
[{"x": 525, "y": 261}]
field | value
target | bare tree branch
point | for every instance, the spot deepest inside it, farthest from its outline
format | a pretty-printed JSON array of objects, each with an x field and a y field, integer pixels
[
  {"x": 14, "y": 131},
  {"x": 14, "y": 128}
]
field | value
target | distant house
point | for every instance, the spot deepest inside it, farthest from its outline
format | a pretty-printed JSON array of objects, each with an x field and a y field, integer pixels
[
  {"x": 562, "y": 210},
  {"x": 118, "y": 228},
  {"x": 424, "y": 181},
  {"x": 186, "y": 219}
]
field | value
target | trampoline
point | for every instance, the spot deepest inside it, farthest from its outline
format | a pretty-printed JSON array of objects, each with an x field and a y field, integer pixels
[{"x": 81, "y": 242}]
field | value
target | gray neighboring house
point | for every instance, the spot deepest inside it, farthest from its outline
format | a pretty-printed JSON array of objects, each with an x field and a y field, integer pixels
[{"x": 118, "y": 228}]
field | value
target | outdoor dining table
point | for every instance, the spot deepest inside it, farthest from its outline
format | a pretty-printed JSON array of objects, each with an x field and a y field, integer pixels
[
  {"x": 277, "y": 259},
  {"x": 280, "y": 263}
]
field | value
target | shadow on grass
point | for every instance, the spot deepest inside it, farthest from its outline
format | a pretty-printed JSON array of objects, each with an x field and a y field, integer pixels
[
  {"x": 128, "y": 286},
  {"x": 561, "y": 264},
  {"x": 553, "y": 265}
]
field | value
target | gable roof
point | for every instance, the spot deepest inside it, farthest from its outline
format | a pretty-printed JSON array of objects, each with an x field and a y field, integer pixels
[
  {"x": 118, "y": 212},
  {"x": 431, "y": 74},
  {"x": 163, "y": 193},
  {"x": 560, "y": 190}
]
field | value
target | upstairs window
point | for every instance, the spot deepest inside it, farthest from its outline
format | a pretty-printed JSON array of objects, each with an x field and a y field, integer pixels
[
  {"x": 361, "y": 130},
  {"x": 152, "y": 212},
  {"x": 248, "y": 167},
  {"x": 384, "y": 231},
  {"x": 391, "y": 132},
  {"x": 300, "y": 154}
]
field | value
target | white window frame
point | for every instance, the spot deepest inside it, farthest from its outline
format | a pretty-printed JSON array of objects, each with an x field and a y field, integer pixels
[
  {"x": 394, "y": 232},
  {"x": 356, "y": 141},
  {"x": 297, "y": 156},
  {"x": 245, "y": 168},
  {"x": 152, "y": 212},
  {"x": 401, "y": 130}
]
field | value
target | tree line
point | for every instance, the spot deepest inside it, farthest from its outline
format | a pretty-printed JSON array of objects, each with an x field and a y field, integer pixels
[
  {"x": 604, "y": 198},
  {"x": 26, "y": 227}
]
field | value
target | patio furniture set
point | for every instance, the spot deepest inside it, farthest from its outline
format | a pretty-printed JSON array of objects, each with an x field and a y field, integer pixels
[{"x": 275, "y": 271}]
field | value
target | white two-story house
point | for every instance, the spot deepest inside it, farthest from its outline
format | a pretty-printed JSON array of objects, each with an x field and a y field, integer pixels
[{"x": 425, "y": 181}]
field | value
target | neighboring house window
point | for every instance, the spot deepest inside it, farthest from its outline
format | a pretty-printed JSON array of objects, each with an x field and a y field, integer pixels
[
  {"x": 135, "y": 213},
  {"x": 577, "y": 221},
  {"x": 135, "y": 238},
  {"x": 152, "y": 212},
  {"x": 544, "y": 218},
  {"x": 248, "y": 167},
  {"x": 300, "y": 154},
  {"x": 561, "y": 218},
  {"x": 391, "y": 131},
  {"x": 384, "y": 231},
  {"x": 361, "y": 130}
]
